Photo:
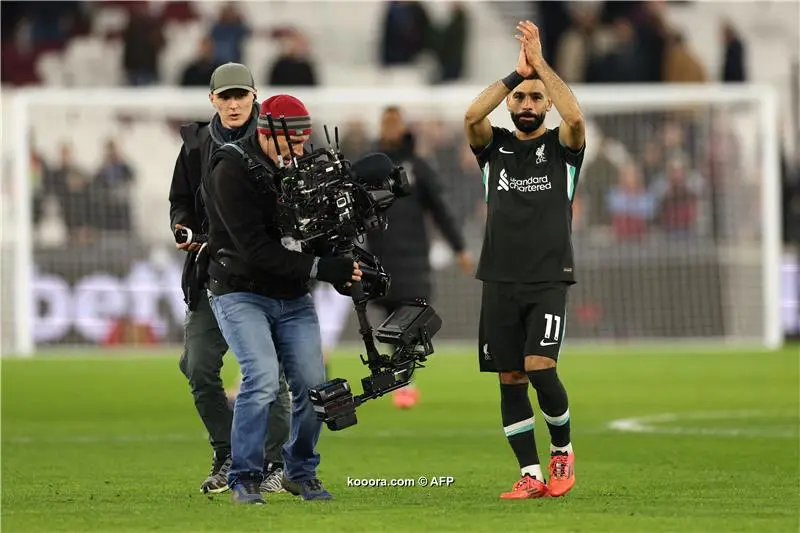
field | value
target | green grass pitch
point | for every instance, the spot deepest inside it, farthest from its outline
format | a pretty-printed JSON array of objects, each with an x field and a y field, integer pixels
[{"x": 675, "y": 440}]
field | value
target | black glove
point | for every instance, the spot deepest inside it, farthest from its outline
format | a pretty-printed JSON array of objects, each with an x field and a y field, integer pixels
[{"x": 335, "y": 270}]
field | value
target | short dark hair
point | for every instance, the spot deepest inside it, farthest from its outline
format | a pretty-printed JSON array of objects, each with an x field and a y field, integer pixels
[{"x": 534, "y": 76}]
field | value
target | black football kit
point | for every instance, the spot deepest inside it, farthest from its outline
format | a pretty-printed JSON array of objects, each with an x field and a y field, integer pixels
[{"x": 526, "y": 264}]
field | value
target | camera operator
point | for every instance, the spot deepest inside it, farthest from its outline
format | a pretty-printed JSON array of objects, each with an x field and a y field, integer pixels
[
  {"x": 404, "y": 247},
  {"x": 233, "y": 95},
  {"x": 259, "y": 292}
]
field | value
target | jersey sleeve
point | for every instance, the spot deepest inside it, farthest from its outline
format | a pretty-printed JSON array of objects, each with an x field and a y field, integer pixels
[
  {"x": 574, "y": 161},
  {"x": 571, "y": 157},
  {"x": 485, "y": 154}
]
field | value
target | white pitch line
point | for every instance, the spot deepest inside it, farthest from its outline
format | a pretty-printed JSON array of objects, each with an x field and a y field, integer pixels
[
  {"x": 644, "y": 424},
  {"x": 652, "y": 424}
]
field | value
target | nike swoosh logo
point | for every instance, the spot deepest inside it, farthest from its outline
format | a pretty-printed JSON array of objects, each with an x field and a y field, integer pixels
[
  {"x": 504, "y": 152},
  {"x": 542, "y": 343}
]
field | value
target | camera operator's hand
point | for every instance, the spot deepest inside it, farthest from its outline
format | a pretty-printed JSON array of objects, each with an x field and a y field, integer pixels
[
  {"x": 187, "y": 246},
  {"x": 338, "y": 270}
]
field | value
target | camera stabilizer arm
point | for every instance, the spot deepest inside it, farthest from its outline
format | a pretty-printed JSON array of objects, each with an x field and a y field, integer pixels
[
  {"x": 408, "y": 330},
  {"x": 322, "y": 198}
]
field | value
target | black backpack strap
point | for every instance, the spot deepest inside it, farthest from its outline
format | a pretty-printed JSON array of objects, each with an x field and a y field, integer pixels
[
  {"x": 250, "y": 161},
  {"x": 255, "y": 169}
]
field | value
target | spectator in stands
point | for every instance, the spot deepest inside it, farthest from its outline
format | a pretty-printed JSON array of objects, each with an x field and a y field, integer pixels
[
  {"x": 554, "y": 19},
  {"x": 114, "y": 180},
  {"x": 604, "y": 171},
  {"x": 42, "y": 22},
  {"x": 650, "y": 23},
  {"x": 681, "y": 65},
  {"x": 576, "y": 41},
  {"x": 73, "y": 188},
  {"x": 451, "y": 44},
  {"x": 228, "y": 34},
  {"x": 406, "y": 33},
  {"x": 199, "y": 71},
  {"x": 733, "y": 66},
  {"x": 677, "y": 195},
  {"x": 293, "y": 67},
  {"x": 630, "y": 206},
  {"x": 652, "y": 161},
  {"x": 624, "y": 61},
  {"x": 142, "y": 42},
  {"x": 40, "y": 181}
]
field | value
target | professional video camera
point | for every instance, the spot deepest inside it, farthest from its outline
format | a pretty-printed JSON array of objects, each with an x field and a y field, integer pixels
[{"x": 325, "y": 200}]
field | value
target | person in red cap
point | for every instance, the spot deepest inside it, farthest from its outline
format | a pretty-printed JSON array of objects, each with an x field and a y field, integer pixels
[
  {"x": 297, "y": 120},
  {"x": 259, "y": 291},
  {"x": 232, "y": 93}
]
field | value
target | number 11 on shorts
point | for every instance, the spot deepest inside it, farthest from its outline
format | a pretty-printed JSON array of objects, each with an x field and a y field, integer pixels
[{"x": 549, "y": 318}]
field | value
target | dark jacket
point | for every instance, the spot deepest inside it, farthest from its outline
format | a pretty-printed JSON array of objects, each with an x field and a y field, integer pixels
[
  {"x": 200, "y": 139},
  {"x": 243, "y": 234},
  {"x": 404, "y": 246}
]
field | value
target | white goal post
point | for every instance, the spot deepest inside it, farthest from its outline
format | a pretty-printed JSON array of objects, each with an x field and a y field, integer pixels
[{"x": 705, "y": 269}]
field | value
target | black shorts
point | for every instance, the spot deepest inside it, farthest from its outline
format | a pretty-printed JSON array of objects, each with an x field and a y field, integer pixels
[{"x": 519, "y": 319}]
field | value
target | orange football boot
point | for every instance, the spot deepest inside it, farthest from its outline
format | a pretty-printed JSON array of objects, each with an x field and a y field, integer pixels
[
  {"x": 526, "y": 488},
  {"x": 562, "y": 474}
]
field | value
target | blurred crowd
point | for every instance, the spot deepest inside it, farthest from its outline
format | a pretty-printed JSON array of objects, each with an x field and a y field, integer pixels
[
  {"x": 629, "y": 42},
  {"x": 650, "y": 175},
  {"x": 586, "y": 42},
  {"x": 676, "y": 174},
  {"x": 75, "y": 206},
  {"x": 30, "y": 29}
]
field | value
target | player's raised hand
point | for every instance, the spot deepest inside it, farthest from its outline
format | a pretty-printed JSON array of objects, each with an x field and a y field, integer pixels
[
  {"x": 523, "y": 68},
  {"x": 529, "y": 37}
]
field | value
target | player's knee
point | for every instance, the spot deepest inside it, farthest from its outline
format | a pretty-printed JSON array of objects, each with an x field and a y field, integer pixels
[
  {"x": 538, "y": 362},
  {"x": 515, "y": 377}
]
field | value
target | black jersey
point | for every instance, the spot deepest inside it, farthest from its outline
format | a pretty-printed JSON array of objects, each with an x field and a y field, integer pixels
[{"x": 529, "y": 187}]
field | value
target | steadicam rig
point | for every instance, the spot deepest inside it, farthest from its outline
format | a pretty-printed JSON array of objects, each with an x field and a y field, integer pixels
[{"x": 325, "y": 201}]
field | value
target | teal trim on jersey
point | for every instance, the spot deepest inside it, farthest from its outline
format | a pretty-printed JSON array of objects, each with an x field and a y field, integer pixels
[
  {"x": 570, "y": 181},
  {"x": 485, "y": 178}
]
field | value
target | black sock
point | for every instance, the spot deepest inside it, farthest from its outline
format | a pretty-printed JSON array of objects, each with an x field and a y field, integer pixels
[
  {"x": 554, "y": 404},
  {"x": 515, "y": 407}
]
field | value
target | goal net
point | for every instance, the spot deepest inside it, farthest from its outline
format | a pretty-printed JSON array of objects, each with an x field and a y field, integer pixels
[{"x": 676, "y": 216}]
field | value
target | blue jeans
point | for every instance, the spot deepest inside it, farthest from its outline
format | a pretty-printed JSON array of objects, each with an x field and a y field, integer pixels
[{"x": 262, "y": 332}]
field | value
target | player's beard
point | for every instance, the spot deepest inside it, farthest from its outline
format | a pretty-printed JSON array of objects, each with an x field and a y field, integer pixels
[{"x": 527, "y": 126}]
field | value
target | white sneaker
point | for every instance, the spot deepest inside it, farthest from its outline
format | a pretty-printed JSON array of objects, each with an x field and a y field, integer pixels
[{"x": 272, "y": 480}]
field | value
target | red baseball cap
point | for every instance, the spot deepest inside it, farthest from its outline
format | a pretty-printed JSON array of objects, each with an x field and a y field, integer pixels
[{"x": 293, "y": 111}]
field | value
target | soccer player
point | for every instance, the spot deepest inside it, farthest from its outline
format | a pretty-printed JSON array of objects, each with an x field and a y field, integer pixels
[{"x": 526, "y": 263}]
